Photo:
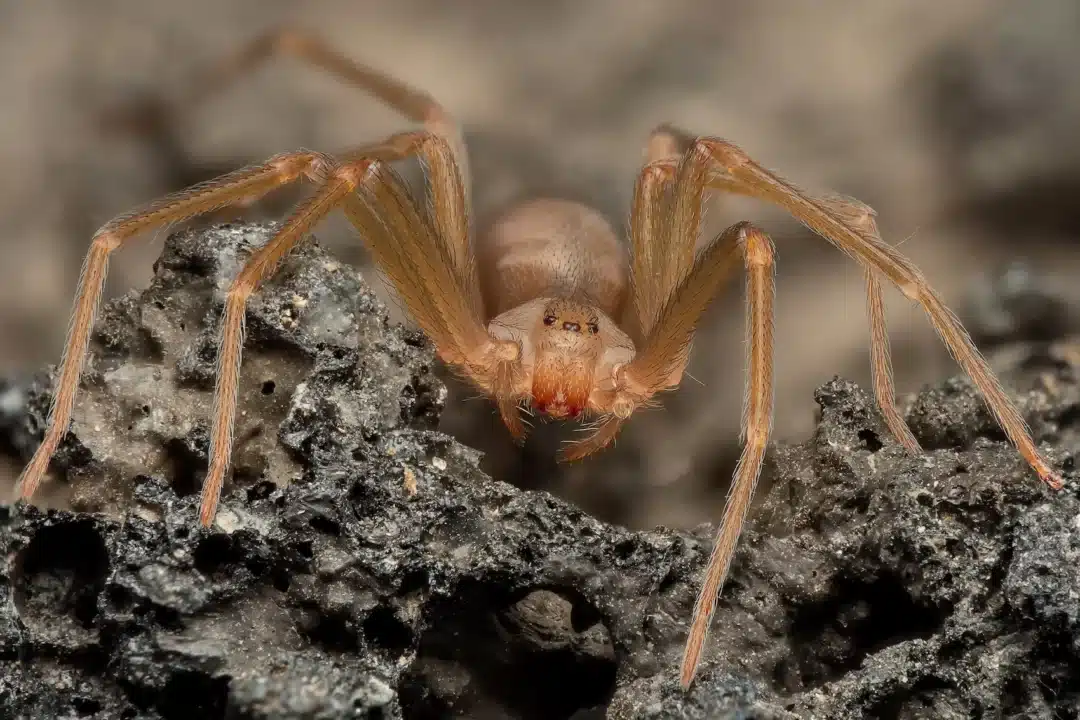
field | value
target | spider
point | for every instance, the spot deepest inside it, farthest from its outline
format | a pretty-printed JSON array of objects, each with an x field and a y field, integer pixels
[{"x": 543, "y": 308}]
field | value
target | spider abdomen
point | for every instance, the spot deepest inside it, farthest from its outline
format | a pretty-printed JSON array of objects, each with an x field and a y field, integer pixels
[{"x": 552, "y": 248}]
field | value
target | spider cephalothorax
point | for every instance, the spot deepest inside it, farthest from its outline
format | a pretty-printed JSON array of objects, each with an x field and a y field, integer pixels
[
  {"x": 544, "y": 307},
  {"x": 569, "y": 352}
]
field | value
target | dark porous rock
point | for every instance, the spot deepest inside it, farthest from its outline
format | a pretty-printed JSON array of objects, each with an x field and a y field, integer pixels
[{"x": 362, "y": 566}]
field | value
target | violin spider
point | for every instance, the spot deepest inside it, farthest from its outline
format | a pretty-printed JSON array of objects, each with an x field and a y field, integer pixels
[{"x": 544, "y": 307}]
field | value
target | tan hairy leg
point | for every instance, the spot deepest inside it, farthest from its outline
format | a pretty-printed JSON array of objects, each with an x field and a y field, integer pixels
[
  {"x": 881, "y": 365},
  {"x": 758, "y": 254},
  {"x": 732, "y": 167},
  {"x": 413, "y": 103},
  {"x": 418, "y": 258},
  {"x": 341, "y": 181},
  {"x": 717, "y": 164},
  {"x": 860, "y": 217},
  {"x": 251, "y": 182}
]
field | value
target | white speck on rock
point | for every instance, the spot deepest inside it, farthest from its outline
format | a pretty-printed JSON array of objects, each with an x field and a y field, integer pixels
[{"x": 12, "y": 401}]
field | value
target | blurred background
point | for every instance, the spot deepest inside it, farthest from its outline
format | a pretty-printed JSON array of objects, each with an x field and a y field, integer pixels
[{"x": 955, "y": 120}]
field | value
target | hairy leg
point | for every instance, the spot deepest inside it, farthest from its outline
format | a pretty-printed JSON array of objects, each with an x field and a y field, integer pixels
[
  {"x": 660, "y": 257},
  {"x": 656, "y": 265},
  {"x": 860, "y": 218},
  {"x": 260, "y": 265},
  {"x": 758, "y": 253},
  {"x": 446, "y": 187},
  {"x": 731, "y": 165},
  {"x": 717, "y": 164},
  {"x": 667, "y": 142},
  {"x": 415, "y": 104},
  {"x": 662, "y": 354},
  {"x": 418, "y": 259},
  {"x": 249, "y": 183},
  {"x": 881, "y": 365},
  {"x": 671, "y": 286}
]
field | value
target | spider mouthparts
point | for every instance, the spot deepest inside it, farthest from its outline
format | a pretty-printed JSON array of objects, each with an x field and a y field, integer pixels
[
  {"x": 557, "y": 410},
  {"x": 560, "y": 390}
]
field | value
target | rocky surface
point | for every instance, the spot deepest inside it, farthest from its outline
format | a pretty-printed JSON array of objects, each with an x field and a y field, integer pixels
[{"x": 363, "y": 566}]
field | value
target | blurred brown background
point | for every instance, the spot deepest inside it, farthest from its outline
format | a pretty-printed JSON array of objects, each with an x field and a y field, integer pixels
[{"x": 955, "y": 120}]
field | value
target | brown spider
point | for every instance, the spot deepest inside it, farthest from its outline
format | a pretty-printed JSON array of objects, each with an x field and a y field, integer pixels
[{"x": 543, "y": 308}]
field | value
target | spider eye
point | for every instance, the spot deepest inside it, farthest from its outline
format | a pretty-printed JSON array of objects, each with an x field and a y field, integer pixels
[
  {"x": 594, "y": 328},
  {"x": 549, "y": 319}
]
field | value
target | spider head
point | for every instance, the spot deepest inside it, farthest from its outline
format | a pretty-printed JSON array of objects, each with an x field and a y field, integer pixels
[
  {"x": 568, "y": 353},
  {"x": 568, "y": 345}
]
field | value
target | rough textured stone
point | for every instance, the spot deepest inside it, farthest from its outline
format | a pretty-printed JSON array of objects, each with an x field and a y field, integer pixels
[{"x": 362, "y": 566}]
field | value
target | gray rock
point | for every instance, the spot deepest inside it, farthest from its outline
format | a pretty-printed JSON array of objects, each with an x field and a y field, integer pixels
[{"x": 363, "y": 566}]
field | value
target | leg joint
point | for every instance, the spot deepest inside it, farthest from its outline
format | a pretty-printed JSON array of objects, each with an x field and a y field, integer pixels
[
  {"x": 729, "y": 156},
  {"x": 660, "y": 171},
  {"x": 666, "y": 142},
  {"x": 107, "y": 240},
  {"x": 290, "y": 166},
  {"x": 357, "y": 172},
  {"x": 757, "y": 247}
]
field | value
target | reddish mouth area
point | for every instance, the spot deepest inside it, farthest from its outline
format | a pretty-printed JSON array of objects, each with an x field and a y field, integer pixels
[
  {"x": 559, "y": 392},
  {"x": 557, "y": 410}
]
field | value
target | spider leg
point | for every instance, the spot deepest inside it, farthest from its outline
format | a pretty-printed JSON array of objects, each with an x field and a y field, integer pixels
[
  {"x": 663, "y": 354},
  {"x": 664, "y": 351},
  {"x": 656, "y": 264},
  {"x": 732, "y": 167},
  {"x": 447, "y": 192},
  {"x": 860, "y": 218},
  {"x": 451, "y": 168},
  {"x": 441, "y": 296},
  {"x": 602, "y": 436},
  {"x": 341, "y": 181},
  {"x": 653, "y": 263},
  {"x": 685, "y": 285},
  {"x": 714, "y": 164},
  {"x": 667, "y": 142},
  {"x": 663, "y": 228},
  {"x": 671, "y": 288},
  {"x": 251, "y": 182},
  {"x": 415, "y": 104},
  {"x": 758, "y": 252},
  {"x": 881, "y": 365}
]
